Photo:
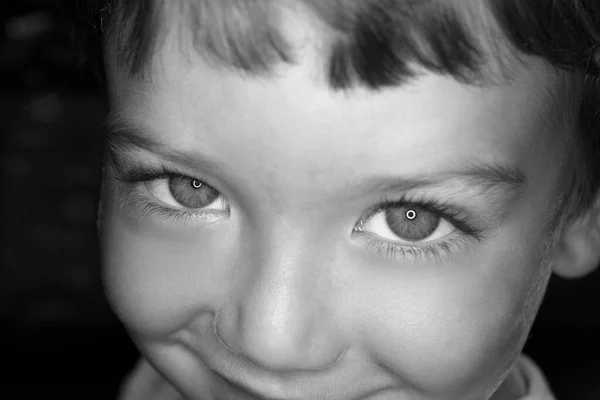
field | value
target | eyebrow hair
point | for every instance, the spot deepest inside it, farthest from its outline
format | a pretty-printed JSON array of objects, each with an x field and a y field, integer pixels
[
  {"x": 493, "y": 181},
  {"x": 490, "y": 178},
  {"x": 121, "y": 135}
]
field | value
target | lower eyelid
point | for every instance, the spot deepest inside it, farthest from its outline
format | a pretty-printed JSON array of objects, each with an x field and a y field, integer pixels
[
  {"x": 414, "y": 253},
  {"x": 142, "y": 202}
]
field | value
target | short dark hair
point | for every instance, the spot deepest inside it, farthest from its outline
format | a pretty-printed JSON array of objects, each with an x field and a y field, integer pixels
[{"x": 377, "y": 43}]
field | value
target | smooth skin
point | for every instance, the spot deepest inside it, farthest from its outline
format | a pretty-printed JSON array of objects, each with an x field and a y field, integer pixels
[{"x": 274, "y": 286}]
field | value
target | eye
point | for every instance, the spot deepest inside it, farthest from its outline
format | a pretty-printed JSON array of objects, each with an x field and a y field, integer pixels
[
  {"x": 187, "y": 193},
  {"x": 407, "y": 224}
]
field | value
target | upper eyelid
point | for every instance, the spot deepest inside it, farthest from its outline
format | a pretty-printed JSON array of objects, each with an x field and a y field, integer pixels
[
  {"x": 120, "y": 164},
  {"x": 121, "y": 136},
  {"x": 439, "y": 208},
  {"x": 462, "y": 220},
  {"x": 489, "y": 178},
  {"x": 183, "y": 208},
  {"x": 493, "y": 184},
  {"x": 382, "y": 205}
]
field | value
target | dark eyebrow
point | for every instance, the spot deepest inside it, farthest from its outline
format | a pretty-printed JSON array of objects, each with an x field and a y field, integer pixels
[
  {"x": 121, "y": 135},
  {"x": 489, "y": 178}
]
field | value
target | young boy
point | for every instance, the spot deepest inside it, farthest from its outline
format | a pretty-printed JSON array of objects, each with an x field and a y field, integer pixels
[{"x": 318, "y": 199}]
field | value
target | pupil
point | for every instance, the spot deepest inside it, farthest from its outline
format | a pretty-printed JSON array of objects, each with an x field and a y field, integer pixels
[
  {"x": 411, "y": 225},
  {"x": 196, "y": 184}
]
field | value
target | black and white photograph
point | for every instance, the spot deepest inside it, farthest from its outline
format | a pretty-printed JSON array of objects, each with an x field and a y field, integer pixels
[{"x": 300, "y": 199}]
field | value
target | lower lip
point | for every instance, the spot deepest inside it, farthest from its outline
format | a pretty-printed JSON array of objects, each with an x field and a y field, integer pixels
[
  {"x": 383, "y": 395},
  {"x": 229, "y": 390},
  {"x": 235, "y": 392}
]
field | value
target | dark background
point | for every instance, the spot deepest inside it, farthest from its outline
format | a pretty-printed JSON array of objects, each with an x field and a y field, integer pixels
[{"x": 58, "y": 335}]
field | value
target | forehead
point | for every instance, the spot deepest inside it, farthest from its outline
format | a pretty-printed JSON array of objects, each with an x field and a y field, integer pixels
[
  {"x": 176, "y": 56},
  {"x": 305, "y": 130}
]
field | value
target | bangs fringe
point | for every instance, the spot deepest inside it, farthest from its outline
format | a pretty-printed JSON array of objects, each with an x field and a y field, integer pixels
[
  {"x": 379, "y": 43},
  {"x": 375, "y": 42}
]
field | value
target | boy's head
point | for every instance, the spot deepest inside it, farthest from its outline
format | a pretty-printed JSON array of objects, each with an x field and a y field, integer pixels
[{"x": 337, "y": 199}]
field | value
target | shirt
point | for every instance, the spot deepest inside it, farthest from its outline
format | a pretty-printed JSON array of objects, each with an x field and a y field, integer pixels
[
  {"x": 144, "y": 383},
  {"x": 535, "y": 383}
]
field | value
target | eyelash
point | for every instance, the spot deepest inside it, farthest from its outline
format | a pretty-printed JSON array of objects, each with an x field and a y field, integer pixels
[
  {"x": 395, "y": 251},
  {"x": 151, "y": 208},
  {"x": 423, "y": 252}
]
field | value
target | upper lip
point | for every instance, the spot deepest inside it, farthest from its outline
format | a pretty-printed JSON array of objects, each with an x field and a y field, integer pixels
[{"x": 291, "y": 385}]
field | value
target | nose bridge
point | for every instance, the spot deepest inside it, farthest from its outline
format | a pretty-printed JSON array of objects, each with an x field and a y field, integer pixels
[{"x": 281, "y": 317}]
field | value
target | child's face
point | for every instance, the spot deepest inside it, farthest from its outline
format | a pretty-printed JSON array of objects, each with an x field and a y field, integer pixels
[{"x": 271, "y": 260}]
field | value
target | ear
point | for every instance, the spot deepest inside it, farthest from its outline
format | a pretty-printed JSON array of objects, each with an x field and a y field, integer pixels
[{"x": 578, "y": 249}]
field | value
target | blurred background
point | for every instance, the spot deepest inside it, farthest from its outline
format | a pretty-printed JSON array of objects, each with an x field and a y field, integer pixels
[{"x": 60, "y": 337}]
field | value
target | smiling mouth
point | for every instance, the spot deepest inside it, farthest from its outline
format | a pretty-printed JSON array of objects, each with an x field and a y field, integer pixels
[
  {"x": 253, "y": 382},
  {"x": 252, "y": 393}
]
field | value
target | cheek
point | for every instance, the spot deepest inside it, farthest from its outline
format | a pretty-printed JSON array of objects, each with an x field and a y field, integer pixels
[
  {"x": 157, "y": 279},
  {"x": 454, "y": 327}
]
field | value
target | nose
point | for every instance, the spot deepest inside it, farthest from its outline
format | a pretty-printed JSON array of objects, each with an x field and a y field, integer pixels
[{"x": 281, "y": 318}]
